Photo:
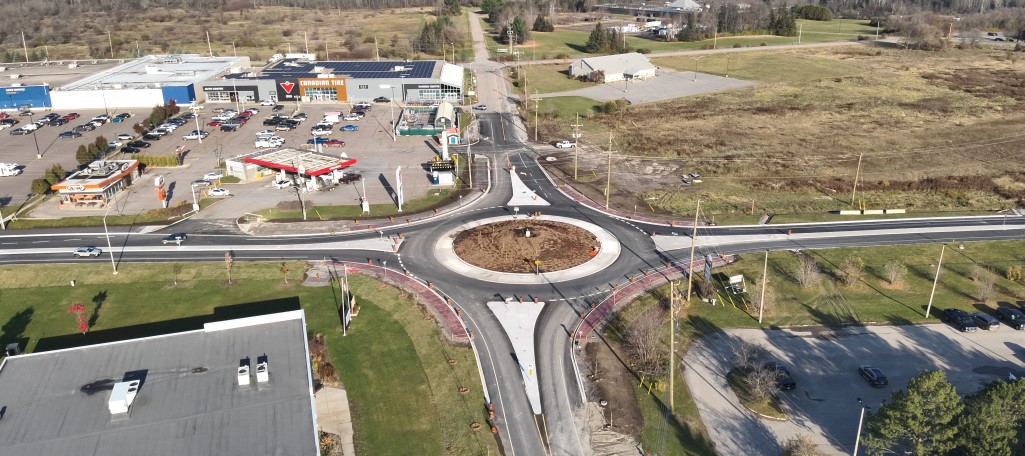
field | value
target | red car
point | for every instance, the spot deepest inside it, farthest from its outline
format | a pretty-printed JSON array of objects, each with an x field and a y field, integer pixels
[
  {"x": 334, "y": 143},
  {"x": 241, "y": 120},
  {"x": 72, "y": 116},
  {"x": 214, "y": 123},
  {"x": 245, "y": 114}
]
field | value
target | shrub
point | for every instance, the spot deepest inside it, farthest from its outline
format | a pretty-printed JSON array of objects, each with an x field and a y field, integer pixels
[
  {"x": 40, "y": 186},
  {"x": 737, "y": 45},
  {"x": 614, "y": 106},
  {"x": 230, "y": 180},
  {"x": 1015, "y": 273},
  {"x": 643, "y": 51},
  {"x": 763, "y": 44}
]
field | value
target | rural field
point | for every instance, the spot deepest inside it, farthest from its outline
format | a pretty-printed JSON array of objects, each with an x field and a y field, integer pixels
[
  {"x": 255, "y": 32},
  {"x": 935, "y": 131},
  {"x": 415, "y": 394}
]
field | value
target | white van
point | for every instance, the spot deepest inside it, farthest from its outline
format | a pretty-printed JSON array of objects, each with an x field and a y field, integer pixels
[{"x": 9, "y": 169}]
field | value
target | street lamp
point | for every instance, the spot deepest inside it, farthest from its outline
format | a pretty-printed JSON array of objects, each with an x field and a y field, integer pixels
[
  {"x": 195, "y": 204},
  {"x": 195, "y": 115},
  {"x": 35, "y": 140},
  {"x": 861, "y": 419},
  {"x": 110, "y": 249}
]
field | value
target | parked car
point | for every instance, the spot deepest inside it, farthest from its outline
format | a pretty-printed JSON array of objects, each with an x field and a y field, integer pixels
[
  {"x": 960, "y": 319},
  {"x": 783, "y": 378},
  {"x": 382, "y": 100},
  {"x": 200, "y": 183},
  {"x": 50, "y": 116},
  {"x": 72, "y": 116},
  {"x": 351, "y": 117},
  {"x": 230, "y": 126},
  {"x": 196, "y": 134},
  {"x": 300, "y": 116},
  {"x": 91, "y": 252},
  {"x": 334, "y": 143},
  {"x": 481, "y": 107},
  {"x": 218, "y": 192},
  {"x": 213, "y": 175},
  {"x": 114, "y": 144},
  {"x": 57, "y": 122},
  {"x": 267, "y": 103},
  {"x": 986, "y": 321},
  {"x": 349, "y": 128},
  {"x": 321, "y": 132},
  {"x": 121, "y": 117},
  {"x": 4, "y": 126},
  {"x": 252, "y": 110},
  {"x": 30, "y": 127},
  {"x": 284, "y": 126},
  {"x": 125, "y": 137},
  {"x": 139, "y": 144},
  {"x": 565, "y": 145},
  {"x": 1011, "y": 317},
  {"x": 151, "y": 137},
  {"x": 10, "y": 121},
  {"x": 277, "y": 108},
  {"x": 873, "y": 376},
  {"x": 26, "y": 113},
  {"x": 318, "y": 140},
  {"x": 19, "y": 132},
  {"x": 282, "y": 184},
  {"x": 130, "y": 150},
  {"x": 85, "y": 127},
  {"x": 176, "y": 238},
  {"x": 69, "y": 134},
  {"x": 213, "y": 123}
]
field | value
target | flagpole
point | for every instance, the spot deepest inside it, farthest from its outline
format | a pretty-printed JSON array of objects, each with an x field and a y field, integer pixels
[{"x": 345, "y": 301}]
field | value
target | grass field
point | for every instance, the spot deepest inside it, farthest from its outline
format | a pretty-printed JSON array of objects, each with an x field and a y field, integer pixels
[
  {"x": 433, "y": 199},
  {"x": 936, "y": 131},
  {"x": 415, "y": 394},
  {"x": 549, "y": 78}
]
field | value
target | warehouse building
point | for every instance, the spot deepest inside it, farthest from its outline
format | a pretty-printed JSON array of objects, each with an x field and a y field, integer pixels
[
  {"x": 238, "y": 387},
  {"x": 303, "y": 81},
  {"x": 612, "y": 68},
  {"x": 145, "y": 82}
]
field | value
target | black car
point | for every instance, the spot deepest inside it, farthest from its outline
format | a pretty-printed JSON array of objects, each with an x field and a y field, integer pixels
[
  {"x": 382, "y": 100},
  {"x": 58, "y": 122},
  {"x": 873, "y": 376},
  {"x": 271, "y": 121},
  {"x": 85, "y": 127},
  {"x": 139, "y": 144},
  {"x": 1012, "y": 317},
  {"x": 783, "y": 378},
  {"x": 986, "y": 321},
  {"x": 9, "y": 121},
  {"x": 300, "y": 116},
  {"x": 229, "y": 127},
  {"x": 151, "y": 137},
  {"x": 50, "y": 116},
  {"x": 26, "y": 113},
  {"x": 176, "y": 238},
  {"x": 69, "y": 134},
  {"x": 277, "y": 108},
  {"x": 349, "y": 178},
  {"x": 130, "y": 150},
  {"x": 960, "y": 319}
]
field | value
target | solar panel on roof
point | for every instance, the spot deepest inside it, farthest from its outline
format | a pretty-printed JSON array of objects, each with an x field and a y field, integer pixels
[{"x": 354, "y": 70}]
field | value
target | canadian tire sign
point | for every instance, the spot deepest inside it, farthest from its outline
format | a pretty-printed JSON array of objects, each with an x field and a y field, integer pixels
[{"x": 288, "y": 90}]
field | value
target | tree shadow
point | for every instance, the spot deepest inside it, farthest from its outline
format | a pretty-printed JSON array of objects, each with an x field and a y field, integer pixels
[
  {"x": 14, "y": 329},
  {"x": 98, "y": 301},
  {"x": 169, "y": 326}
]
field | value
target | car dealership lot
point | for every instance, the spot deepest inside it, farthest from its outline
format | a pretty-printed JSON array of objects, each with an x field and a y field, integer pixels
[
  {"x": 372, "y": 145},
  {"x": 824, "y": 362}
]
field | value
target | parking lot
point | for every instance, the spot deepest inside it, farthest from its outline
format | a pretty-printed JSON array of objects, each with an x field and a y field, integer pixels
[
  {"x": 372, "y": 145},
  {"x": 824, "y": 362}
]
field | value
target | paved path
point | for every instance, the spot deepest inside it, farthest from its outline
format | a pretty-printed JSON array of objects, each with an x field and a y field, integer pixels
[
  {"x": 669, "y": 84},
  {"x": 332, "y": 405}
]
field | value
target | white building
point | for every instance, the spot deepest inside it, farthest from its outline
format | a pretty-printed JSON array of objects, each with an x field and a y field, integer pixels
[
  {"x": 683, "y": 6},
  {"x": 615, "y": 67}
]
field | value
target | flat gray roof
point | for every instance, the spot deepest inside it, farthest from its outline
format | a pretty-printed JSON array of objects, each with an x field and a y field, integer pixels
[
  {"x": 189, "y": 402},
  {"x": 158, "y": 70},
  {"x": 54, "y": 73}
]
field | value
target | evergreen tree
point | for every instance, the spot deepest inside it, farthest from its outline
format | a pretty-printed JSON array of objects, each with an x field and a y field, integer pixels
[
  {"x": 519, "y": 27},
  {"x": 452, "y": 8},
  {"x": 598, "y": 41},
  {"x": 542, "y": 25},
  {"x": 993, "y": 420},
  {"x": 919, "y": 420},
  {"x": 493, "y": 8}
]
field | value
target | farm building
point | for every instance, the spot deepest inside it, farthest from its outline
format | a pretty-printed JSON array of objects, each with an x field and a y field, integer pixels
[{"x": 612, "y": 68}]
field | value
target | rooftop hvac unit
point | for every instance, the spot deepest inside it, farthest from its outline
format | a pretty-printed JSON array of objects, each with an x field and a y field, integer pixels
[
  {"x": 15, "y": 76},
  {"x": 262, "y": 370},
  {"x": 122, "y": 396},
  {"x": 243, "y": 372}
]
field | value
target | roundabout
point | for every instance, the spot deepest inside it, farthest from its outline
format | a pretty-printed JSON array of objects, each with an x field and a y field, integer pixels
[{"x": 527, "y": 250}]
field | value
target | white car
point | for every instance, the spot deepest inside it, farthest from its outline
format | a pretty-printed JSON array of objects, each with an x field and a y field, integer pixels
[
  {"x": 5, "y": 126},
  {"x": 196, "y": 135},
  {"x": 125, "y": 137},
  {"x": 91, "y": 252},
  {"x": 267, "y": 103},
  {"x": 30, "y": 127},
  {"x": 351, "y": 117},
  {"x": 265, "y": 133},
  {"x": 253, "y": 110},
  {"x": 213, "y": 176},
  {"x": 218, "y": 192},
  {"x": 282, "y": 184},
  {"x": 114, "y": 144},
  {"x": 321, "y": 131},
  {"x": 565, "y": 145}
]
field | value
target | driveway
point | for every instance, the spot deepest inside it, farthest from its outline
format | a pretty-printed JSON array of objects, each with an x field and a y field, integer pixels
[
  {"x": 669, "y": 84},
  {"x": 825, "y": 362}
]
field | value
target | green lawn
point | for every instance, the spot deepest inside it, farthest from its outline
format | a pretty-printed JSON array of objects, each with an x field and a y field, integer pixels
[
  {"x": 152, "y": 217},
  {"x": 549, "y": 78},
  {"x": 414, "y": 394},
  {"x": 566, "y": 108},
  {"x": 433, "y": 199}
]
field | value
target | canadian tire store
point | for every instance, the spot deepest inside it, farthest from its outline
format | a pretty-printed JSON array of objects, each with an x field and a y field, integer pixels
[{"x": 312, "y": 90}]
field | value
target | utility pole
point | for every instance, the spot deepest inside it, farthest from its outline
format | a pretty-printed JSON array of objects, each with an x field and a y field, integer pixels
[
  {"x": 306, "y": 42},
  {"x": 693, "y": 242},
  {"x": 111, "y": 42},
  {"x": 377, "y": 51},
  {"x": 24, "y": 45},
  {"x": 765, "y": 271},
  {"x": 800, "y": 29},
  {"x": 576, "y": 135},
  {"x": 857, "y": 174},
  {"x": 672, "y": 343},
  {"x": 208, "y": 46},
  {"x": 537, "y": 107},
  {"x": 608, "y": 180},
  {"x": 935, "y": 279}
]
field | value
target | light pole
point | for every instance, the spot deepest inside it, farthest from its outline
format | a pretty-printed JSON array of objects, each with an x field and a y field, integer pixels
[
  {"x": 35, "y": 140},
  {"x": 195, "y": 115},
  {"x": 106, "y": 233},
  {"x": 195, "y": 204},
  {"x": 861, "y": 419}
]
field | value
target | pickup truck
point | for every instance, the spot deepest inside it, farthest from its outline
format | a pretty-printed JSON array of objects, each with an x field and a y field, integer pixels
[{"x": 565, "y": 144}]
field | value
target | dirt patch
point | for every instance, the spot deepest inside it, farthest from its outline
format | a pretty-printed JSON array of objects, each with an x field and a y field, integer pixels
[
  {"x": 612, "y": 381},
  {"x": 513, "y": 246}
]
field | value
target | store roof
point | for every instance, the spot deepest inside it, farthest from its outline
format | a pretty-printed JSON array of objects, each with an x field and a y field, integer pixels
[
  {"x": 305, "y": 162},
  {"x": 387, "y": 69},
  {"x": 188, "y": 401},
  {"x": 97, "y": 176},
  {"x": 154, "y": 71}
]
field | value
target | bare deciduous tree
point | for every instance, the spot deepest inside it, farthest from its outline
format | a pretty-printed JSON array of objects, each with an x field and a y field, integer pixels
[
  {"x": 748, "y": 356},
  {"x": 808, "y": 273},
  {"x": 644, "y": 337},
  {"x": 896, "y": 272},
  {"x": 985, "y": 283},
  {"x": 761, "y": 382},
  {"x": 768, "y": 303},
  {"x": 800, "y": 445},
  {"x": 229, "y": 261},
  {"x": 851, "y": 269}
]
